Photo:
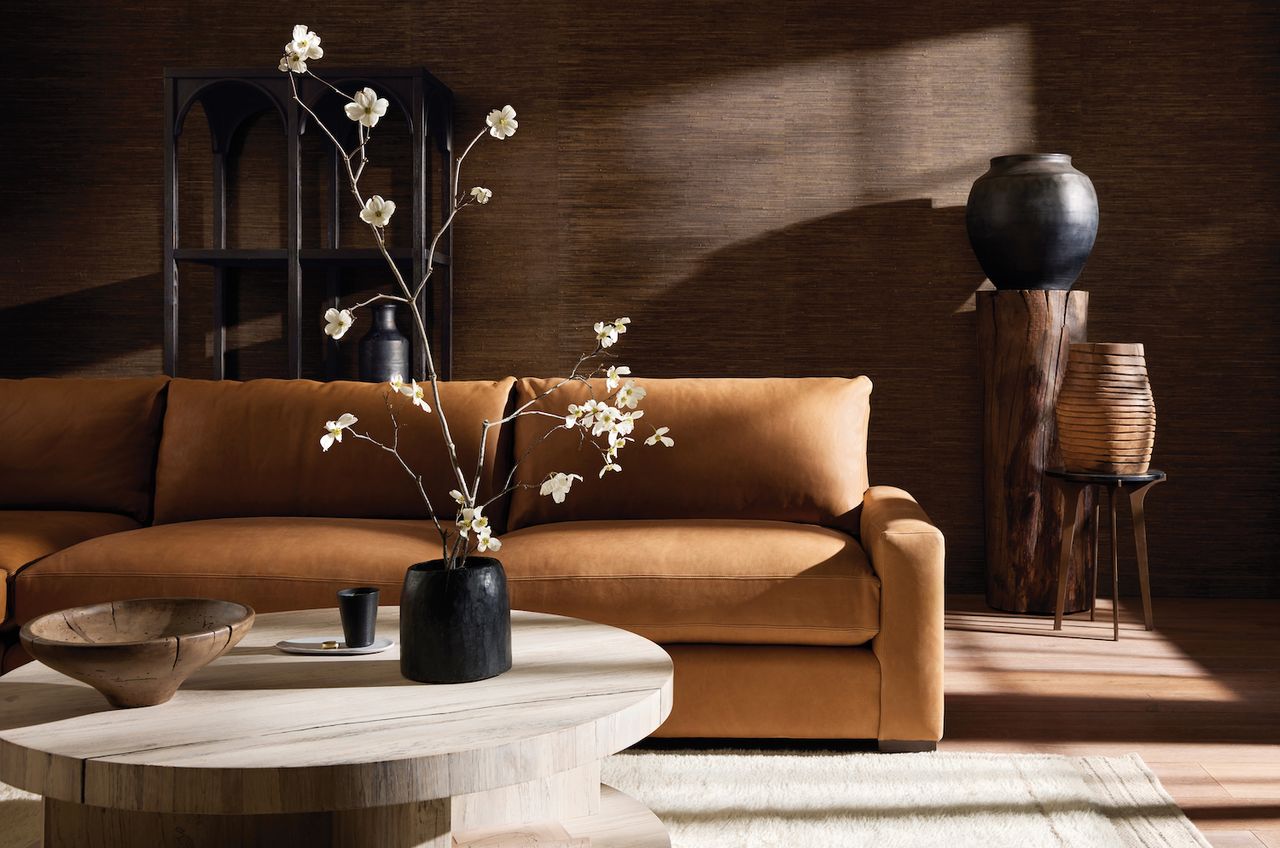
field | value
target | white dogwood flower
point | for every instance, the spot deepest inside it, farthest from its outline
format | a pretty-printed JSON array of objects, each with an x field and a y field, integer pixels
[
  {"x": 502, "y": 123},
  {"x": 630, "y": 395},
  {"x": 459, "y": 498},
  {"x": 291, "y": 61},
  {"x": 558, "y": 485},
  {"x": 337, "y": 322},
  {"x": 397, "y": 383},
  {"x": 473, "y": 520},
  {"x": 660, "y": 437},
  {"x": 606, "y": 334},
  {"x": 481, "y": 194},
  {"x": 366, "y": 107},
  {"x": 620, "y": 324},
  {"x": 418, "y": 394},
  {"x": 609, "y": 466},
  {"x": 305, "y": 43},
  {"x": 617, "y": 442},
  {"x": 333, "y": 430},
  {"x": 626, "y": 422},
  {"x": 614, "y": 376},
  {"x": 377, "y": 211},
  {"x": 606, "y": 420},
  {"x": 583, "y": 414},
  {"x": 486, "y": 542},
  {"x": 464, "y": 519}
]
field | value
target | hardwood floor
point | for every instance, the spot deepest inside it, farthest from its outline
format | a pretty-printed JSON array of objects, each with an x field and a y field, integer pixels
[{"x": 1198, "y": 698}]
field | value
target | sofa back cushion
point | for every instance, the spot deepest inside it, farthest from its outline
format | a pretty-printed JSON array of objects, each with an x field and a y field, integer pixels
[
  {"x": 789, "y": 449},
  {"x": 80, "y": 444},
  {"x": 234, "y": 449}
]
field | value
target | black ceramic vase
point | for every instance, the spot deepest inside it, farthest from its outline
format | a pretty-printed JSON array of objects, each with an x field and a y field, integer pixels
[
  {"x": 384, "y": 350},
  {"x": 455, "y": 624},
  {"x": 1032, "y": 220}
]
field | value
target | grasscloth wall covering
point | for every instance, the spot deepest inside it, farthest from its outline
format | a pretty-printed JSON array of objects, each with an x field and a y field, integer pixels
[{"x": 765, "y": 188}]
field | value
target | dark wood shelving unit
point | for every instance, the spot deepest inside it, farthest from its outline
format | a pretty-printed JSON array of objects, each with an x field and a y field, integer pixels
[
  {"x": 230, "y": 99},
  {"x": 268, "y": 257}
]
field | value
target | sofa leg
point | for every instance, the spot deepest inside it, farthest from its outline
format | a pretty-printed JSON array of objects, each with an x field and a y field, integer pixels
[{"x": 907, "y": 746}]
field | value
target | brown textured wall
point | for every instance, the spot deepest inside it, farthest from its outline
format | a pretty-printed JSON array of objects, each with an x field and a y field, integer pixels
[{"x": 766, "y": 188}]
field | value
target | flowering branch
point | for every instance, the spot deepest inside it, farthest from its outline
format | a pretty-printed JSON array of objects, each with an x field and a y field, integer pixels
[{"x": 593, "y": 419}]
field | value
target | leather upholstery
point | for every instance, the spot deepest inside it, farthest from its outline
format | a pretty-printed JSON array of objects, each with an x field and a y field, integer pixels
[
  {"x": 80, "y": 444},
  {"x": 253, "y": 449},
  {"x": 908, "y": 553},
  {"x": 699, "y": 580},
  {"x": 761, "y": 605},
  {"x": 771, "y": 449},
  {"x": 28, "y": 535},
  {"x": 271, "y": 564},
  {"x": 773, "y": 692}
]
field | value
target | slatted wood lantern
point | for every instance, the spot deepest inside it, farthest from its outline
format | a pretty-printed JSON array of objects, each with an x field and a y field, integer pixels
[{"x": 1106, "y": 412}]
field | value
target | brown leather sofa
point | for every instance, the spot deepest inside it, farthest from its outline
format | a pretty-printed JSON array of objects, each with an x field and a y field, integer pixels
[{"x": 796, "y": 601}]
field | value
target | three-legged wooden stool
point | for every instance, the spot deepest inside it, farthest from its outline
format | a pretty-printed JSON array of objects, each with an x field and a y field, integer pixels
[{"x": 1074, "y": 484}]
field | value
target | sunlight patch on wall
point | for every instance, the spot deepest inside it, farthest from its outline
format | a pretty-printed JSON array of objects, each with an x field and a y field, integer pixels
[{"x": 778, "y": 146}]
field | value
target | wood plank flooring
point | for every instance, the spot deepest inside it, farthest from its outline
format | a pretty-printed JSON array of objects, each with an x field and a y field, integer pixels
[{"x": 1198, "y": 698}]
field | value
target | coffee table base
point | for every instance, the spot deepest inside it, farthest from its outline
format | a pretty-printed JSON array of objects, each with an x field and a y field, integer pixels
[{"x": 622, "y": 822}]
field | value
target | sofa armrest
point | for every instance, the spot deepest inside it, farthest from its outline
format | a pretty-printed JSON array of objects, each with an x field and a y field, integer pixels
[{"x": 907, "y": 552}]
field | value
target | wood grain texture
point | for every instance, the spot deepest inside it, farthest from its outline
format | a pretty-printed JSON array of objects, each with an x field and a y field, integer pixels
[
  {"x": 262, "y": 732},
  {"x": 424, "y": 824},
  {"x": 1198, "y": 698},
  {"x": 1023, "y": 339},
  {"x": 138, "y": 652},
  {"x": 765, "y": 187},
  {"x": 1106, "y": 415}
]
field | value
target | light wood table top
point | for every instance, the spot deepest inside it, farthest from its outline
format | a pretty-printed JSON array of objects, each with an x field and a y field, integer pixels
[{"x": 264, "y": 732}]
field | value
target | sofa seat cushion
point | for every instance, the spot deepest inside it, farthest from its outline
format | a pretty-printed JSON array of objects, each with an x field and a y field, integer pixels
[
  {"x": 270, "y": 564},
  {"x": 28, "y": 535},
  {"x": 699, "y": 580}
]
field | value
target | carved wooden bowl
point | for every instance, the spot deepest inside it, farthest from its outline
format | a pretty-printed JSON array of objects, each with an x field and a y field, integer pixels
[{"x": 137, "y": 653}]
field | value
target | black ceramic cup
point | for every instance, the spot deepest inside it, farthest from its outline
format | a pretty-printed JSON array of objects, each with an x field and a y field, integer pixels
[{"x": 359, "y": 610}]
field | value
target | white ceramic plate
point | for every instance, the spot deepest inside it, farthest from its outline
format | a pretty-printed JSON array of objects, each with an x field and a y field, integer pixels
[{"x": 311, "y": 645}]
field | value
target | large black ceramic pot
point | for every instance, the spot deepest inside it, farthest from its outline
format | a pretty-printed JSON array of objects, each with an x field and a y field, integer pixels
[
  {"x": 384, "y": 350},
  {"x": 1032, "y": 220},
  {"x": 455, "y": 623}
]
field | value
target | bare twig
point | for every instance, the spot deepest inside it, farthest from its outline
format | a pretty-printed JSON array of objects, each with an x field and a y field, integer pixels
[
  {"x": 457, "y": 170},
  {"x": 376, "y": 297},
  {"x": 394, "y": 450}
]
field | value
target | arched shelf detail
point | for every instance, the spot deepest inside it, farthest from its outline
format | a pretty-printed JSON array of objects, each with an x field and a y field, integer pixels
[
  {"x": 230, "y": 99},
  {"x": 227, "y": 108}
]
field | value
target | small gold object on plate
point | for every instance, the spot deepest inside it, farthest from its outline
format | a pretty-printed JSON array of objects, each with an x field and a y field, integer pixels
[{"x": 329, "y": 646}]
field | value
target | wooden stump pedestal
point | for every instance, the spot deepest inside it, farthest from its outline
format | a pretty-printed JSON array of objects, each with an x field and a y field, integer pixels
[{"x": 1023, "y": 343}]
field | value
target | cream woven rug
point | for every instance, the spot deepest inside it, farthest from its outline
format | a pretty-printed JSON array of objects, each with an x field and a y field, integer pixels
[
  {"x": 763, "y": 799},
  {"x": 722, "y": 799}
]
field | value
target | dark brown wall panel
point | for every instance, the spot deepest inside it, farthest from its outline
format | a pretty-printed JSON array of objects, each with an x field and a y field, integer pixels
[{"x": 765, "y": 188}]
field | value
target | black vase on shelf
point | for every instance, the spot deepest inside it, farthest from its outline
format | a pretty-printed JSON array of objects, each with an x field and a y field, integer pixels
[
  {"x": 384, "y": 350},
  {"x": 1032, "y": 220},
  {"x": 455, "y": 623}
]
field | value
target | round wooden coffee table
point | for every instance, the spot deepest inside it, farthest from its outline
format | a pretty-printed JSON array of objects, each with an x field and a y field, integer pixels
[{"x": 268, "y": 748}]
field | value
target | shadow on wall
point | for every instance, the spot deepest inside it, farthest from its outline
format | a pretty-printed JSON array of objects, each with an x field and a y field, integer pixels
[
  {"x": 883, "y": 290},
  {"x": 106, "y": 321}
]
